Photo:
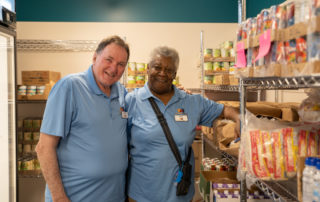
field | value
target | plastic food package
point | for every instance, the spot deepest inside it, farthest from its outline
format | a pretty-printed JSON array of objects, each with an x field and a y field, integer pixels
[{"x": 309, "y": 109}]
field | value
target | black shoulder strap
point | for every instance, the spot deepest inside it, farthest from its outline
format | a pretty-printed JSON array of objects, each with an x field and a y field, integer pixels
[{"x": 167, "y": 132}]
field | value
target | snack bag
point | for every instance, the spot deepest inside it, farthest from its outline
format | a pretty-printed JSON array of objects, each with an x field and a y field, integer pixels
[
  {"x": 301, "y": 49},
  {"x": 289, "y": 152},
  {"x": 277, "y": 156},
  {"x": 312, "y": 149},
  {"x": 302, "y": 144},
  {"x": 256, "y": 147},
  {"x": 267, "y": 152}
]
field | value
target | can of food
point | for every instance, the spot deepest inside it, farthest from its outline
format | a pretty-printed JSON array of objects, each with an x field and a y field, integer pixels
[
  {"x": 217, "y": 53},
  {"x": 131, "y": 79},
  {"x": 208, "y": 52},
  {"x": 29, "y": 165},
  {"x": 31, "y": 90},
  {"x": 36, "y": 136},
  {"x": 27, "y": 136},
  {"x": 20, "y": 135},
  {"x": 132, "y": 67},
  {"x": 40, "y": 90},
  {"x": 140, "y": 79},
  {"x": 26, "y": 148},
  {"x": 22, "y": 90},
  {"x": 224, "y": 53},
  {"x": 19, "y": 165},
  {"x": 27, "y": 123},
  {"x": 23, "y": 166},
  {"x": 141, "y": 67},
  {"x": 36, "y": 164},
  {"x": 216, "y": 66},
  {"x": 207, "y": 66},
  {"x": 20, "y": 148},
  {"x": 208, "y": 79},
  {"x": 36, "y": 123},
  {"x": 33, "y": 148}
]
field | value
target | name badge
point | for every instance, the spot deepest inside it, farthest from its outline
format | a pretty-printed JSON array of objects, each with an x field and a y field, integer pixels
[
  {"x": 181, "y": 117},
  {"x": 124, "y": 115}
]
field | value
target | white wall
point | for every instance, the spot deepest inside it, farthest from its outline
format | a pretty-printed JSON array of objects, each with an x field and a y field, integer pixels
[{"x": 142, "y": 38}]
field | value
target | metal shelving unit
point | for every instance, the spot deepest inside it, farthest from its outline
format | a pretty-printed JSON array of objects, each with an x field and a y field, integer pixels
[
  {"x": 277, "y": 190},
  {"x": 56, "y": 45},
  {"x": 231, "y": 159},
  {"x": 228, "y": 88}
]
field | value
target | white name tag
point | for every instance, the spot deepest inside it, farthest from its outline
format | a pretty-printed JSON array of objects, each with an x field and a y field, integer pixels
[
  {"x": 124, "y": 115},
  {"x": 181, "y": 117}
]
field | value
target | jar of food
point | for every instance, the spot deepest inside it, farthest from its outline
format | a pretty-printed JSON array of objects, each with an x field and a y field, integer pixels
[
  {"x": 141, "y": 67},
  {"x": 31, "y": 90},
  {"x": 140, "y": 79},
  {"x": 208, "y": 79},
  {"x": 207, "y": 66},
  {"x": 131, "y": 79},
  {"x": 132, "y": 67},
  {"x": 208, "y": 52}
]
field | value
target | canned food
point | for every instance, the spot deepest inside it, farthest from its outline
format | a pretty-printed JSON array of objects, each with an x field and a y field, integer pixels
[
  {"x": 22, "y": 90},
  {"x": 208, "y": 79},
  {"x": 141, "y": 67},
  {"x": 36, "y": 136},
  {"x": 27, "y": 136},
  {"x": 217, "y": 53},
  {"x": 208, "y": 52},
  {"x": 36, "y": 164},
  {"x": 132, "y": 67},
  {"x": 20, "y": 135},
  {"x": 31, "y": 90},
  {"x": 216, "y": 66},
  {"x": 131, "y": 79},
  {"x": 40, "y": 90},
  {"x": 140, "y": 79},
  {"x": 26, "y": 148},
  {"x": 208, "y": 66},
  {"x": 36, "y": 123},
  {"x": 29, "y": 165},
  {"x": 27, "y": 123},
  {"x": 20, "y": 148},
  {"x": 224, "y": 53}
]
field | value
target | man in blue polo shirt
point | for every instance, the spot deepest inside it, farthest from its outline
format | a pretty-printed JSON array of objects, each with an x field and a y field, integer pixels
[{"x": 83, "y": 143}]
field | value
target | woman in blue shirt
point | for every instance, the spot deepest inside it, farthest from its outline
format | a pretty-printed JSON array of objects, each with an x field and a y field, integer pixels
[{"x": 153, "y": 168}]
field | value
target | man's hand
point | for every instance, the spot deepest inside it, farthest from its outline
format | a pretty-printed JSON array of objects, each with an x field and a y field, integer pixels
[{"x": 185, "y": 90}]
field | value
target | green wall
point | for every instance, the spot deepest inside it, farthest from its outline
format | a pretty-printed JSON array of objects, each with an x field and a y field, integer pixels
[
  {"x": 255, "y": 6},
  {"x": 127, "y": 10}
]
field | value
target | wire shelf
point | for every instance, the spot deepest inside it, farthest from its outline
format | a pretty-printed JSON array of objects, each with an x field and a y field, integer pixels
[
  {"x": 232, "y": 160},
  {"x": 278, "y": 83},
  {"x": 56, "y": 45},
  {"x": 276, "y": 191},
  {"x": 229, "y": 88}
]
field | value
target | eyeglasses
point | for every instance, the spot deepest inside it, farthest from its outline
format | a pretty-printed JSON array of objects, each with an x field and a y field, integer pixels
[{"x": 166, "y": 70}]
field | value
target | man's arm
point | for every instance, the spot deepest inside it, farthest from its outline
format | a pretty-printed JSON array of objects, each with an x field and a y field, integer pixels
[
  {"x": 232, "y": 114},
  {"x": 47, "y": 155}
]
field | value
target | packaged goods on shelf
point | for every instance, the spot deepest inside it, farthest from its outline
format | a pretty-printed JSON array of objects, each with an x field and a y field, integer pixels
[
  {"x": 309, "y": 109},
  {"x": 269, "y": 148},
  {"x": 294, "y": 43},
  {"x": 40, "y": 77}
]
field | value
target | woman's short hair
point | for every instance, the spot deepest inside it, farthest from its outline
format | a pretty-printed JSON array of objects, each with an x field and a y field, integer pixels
[{"x": 165, "y": 52}]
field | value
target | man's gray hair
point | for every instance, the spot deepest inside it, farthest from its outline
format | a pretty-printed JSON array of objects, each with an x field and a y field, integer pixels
[{"x": 165, "y": 52}]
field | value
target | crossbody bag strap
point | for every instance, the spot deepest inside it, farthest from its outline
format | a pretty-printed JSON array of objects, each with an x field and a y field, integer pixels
[{"x": 166, "y": 131}]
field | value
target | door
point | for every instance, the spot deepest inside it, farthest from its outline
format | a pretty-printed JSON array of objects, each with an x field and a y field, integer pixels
[{"x": 7, "y": 119}]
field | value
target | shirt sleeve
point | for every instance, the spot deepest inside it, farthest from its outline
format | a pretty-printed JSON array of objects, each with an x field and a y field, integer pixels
[
  {"x": 59, "y": 110},
  {"x": 210, "y": 111}
]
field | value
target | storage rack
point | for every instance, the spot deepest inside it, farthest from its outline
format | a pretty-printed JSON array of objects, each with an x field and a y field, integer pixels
[
  {"x": 56, "y": 45},
  {"x": 278, "y": 191}
]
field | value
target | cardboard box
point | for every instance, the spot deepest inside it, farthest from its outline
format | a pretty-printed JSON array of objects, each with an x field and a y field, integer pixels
[
  {"x": 221, "y": 79},
  {"x": 290, "y": 114},
  {"x": 40, "y": 77},
  {"x": 197, "y": 151},
  {"x": 233, "y": 80}
]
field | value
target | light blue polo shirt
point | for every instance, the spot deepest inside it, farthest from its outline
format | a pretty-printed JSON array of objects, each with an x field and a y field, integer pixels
[
  {"x": 92, "y": 152},
  {"x": 153, "y": 167}
]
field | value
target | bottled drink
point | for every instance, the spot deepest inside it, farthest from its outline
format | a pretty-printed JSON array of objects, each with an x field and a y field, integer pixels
[
  {"x": 316, "y": 183},
  {"x": 307, "y": 180}
]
